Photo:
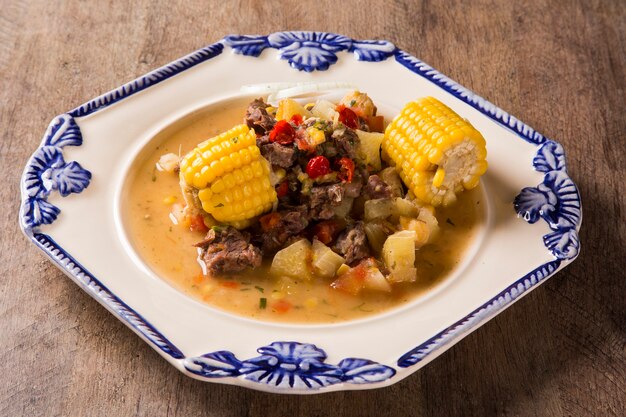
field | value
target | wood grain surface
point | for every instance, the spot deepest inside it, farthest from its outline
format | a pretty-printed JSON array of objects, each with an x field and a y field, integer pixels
[{"x": 557, "y": 65}]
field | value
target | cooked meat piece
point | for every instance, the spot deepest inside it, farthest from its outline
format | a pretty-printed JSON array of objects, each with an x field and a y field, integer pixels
[
  {"x": 347, "y": 141},
  {"x": 353, "y": 189},
  {"x": 257, "y": 117},
  {"x": 328, "y": 149},
  {"x": 323, "y": 199},
  {"x": 227, "y": 251},
  {"x": 352, "y": 243},
  {"x": 262, "y": 140},
  {"x": 277, "y": 154},
  {"x": 281, "y": 226},
  {"x": 377, "y": 188}
]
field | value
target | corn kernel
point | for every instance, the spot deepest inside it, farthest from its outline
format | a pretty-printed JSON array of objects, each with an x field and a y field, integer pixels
[
  {"x": 169, "y": 200},
  {"x": 311, "y": 302}
]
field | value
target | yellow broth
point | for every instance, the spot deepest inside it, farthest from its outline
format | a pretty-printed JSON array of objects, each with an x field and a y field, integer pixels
[{"x": 168, "y": 248}]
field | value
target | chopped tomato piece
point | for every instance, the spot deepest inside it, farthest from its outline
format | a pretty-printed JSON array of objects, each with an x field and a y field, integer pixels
[
  {"x": 376, "y": 123},
  {"x": 282, "y": 133},
  {"x": 281, "y": 306},
  {"x": 352, "y": 281},
  {"x": 198, "y": 279},
  {"x": 296, "y": 119},
  {"x": 317, "y": 166},
  {"x": 230, "y": 284},
  {"x": 269, "y": 221},
  {"x": 348, "y": 117},
  {"x": 346, "y": 169},
  {"x": 282, "y": 189},
  {"x": 326, "y": 231},
  {"x": 197, "y": 224}
]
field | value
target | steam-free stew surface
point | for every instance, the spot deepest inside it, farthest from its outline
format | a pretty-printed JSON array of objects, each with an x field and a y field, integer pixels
[{"x": 168, "y": 250}]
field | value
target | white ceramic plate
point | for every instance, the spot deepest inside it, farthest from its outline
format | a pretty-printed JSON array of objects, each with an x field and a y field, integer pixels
[{"x": 533, "y": 216}]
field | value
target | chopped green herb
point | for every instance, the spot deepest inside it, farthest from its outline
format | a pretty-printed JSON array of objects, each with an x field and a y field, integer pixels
[
  {"x": 244, "y": 289},
  {"x": 262, "y": 303},
  {"x": 352, "y": 103},
  {"x": 450, "y": 222},
  {"x": 216, "y": 229},
  {"x": 261, "y": 289},
  {"x": 219, "y": 205},
  {"x": 170, "y": 228},
  {"x": 154, "y": 175},
  {"x": 331, "y": 315},
  {"x": 235, "y": 139}
]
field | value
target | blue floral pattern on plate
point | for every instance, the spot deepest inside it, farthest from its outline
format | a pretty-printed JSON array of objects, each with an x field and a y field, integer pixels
[
  {"x": 556, "y": 200},
  {"x": 47, "y": 171},
  {"x": 310, "y": 51},
  {"x": 289, "y": 365}
]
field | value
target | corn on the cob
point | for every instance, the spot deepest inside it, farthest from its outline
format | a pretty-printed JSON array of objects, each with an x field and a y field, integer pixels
[
  {"x": 436, "y": 152},
  {"x": 231, "y": 176}
]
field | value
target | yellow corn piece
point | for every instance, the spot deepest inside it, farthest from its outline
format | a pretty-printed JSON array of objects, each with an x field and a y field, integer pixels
[
  {"x": 436, "y": 152},
  {"x": 231, "y": 176}
]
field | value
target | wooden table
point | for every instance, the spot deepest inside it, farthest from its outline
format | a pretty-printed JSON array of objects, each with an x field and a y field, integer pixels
[{"x": 557, "y": 65}]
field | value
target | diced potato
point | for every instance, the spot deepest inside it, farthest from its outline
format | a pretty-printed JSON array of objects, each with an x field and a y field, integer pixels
[
  {"x": 376, "y": 236},
  {"x": 375, "y": 280},
  {"x": 399, "y": 256},
  {"x": 370, "y": 148},
  {"x": 421, "y": 229},
  {"x": 360, "y": 103},
  {"x": 392, "y": 179},
  {"x": 287, "y": 108},
  {"x": 325, "y": 110},
  {"x": 404, "y": 208},
  {"x": 293, "y": 261},
  {"x": 378, "y": 209},
  {"x": 343, "y": 209},
  {"x": 325, "y": 261},
  {"x": 427, "y": 215}
]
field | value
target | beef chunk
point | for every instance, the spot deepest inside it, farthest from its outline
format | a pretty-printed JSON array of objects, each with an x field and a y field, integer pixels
[
  {"x": 347, "y": 141},
  {"x": 323, "y": 199},
  {"x": 262, "y": 140},
  {"x": 377, "y": 188},
  {"x": 277, "y": 154},
  {"x": 227, "y": 251},
  {"x": 353, "y": 189},
  {"x": 257, "y": 117},
  {"x": 352, "y": 243},
  {"x": 280, "y": 226}
]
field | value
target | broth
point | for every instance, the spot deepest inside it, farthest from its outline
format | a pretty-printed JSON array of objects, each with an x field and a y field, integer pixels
[{"x": 168, "y": 249}]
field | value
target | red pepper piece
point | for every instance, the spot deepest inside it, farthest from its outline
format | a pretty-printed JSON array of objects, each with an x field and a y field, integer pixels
[
  {"x": 282, "y": 133},
  {"x": 282, "y": 189},
  {"x": 318, "y": 166},
  {"x": 346, "y": 169},
  {"x": 281, "y": 306},
  {"x": 196, "y": 224},
  {"x": 296, "y": 119},
  {"x": 326, "y": 231},
  {"x": 348, "y": 117}
]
